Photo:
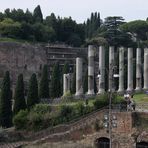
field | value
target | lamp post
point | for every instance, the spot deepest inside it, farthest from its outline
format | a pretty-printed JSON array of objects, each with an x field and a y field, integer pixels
[{"x": 109, "y": 119}]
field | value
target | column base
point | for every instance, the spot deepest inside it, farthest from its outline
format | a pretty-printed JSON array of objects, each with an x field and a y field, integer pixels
[
  {"x": 120, "y": 91},
  {"x": 145, "y": 89},
  {"x": 78, "y": 94},
  {"x": 138, "y": 89},
  {"x": 130, "y": 90},
  {"x": 101, "y": 91},
  {"x": 90, "y": 92}
]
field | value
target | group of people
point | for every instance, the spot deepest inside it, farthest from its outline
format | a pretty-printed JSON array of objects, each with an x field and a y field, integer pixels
[{"x": 130, "y": 102}]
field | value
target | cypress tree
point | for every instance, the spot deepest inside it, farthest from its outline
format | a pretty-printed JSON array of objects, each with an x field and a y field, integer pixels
[
  {"x": 73, "y": 88},
  {"x": 5, "y": 102},
  {"x": 37, "y": 14},
  {"x": 19, "y": 98},
  {"x": 66, "y": 68},
  {"x": 44, "y": 84},
  {"x": 56, "y": 81},
  {"x": 95, "y": 85},
  {"x": 85, "y": 82},
  {"x": 32, "y": 97}
]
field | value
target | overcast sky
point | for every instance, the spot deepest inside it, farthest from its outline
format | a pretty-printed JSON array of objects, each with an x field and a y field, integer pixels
[{"x": 80, "y": 10}]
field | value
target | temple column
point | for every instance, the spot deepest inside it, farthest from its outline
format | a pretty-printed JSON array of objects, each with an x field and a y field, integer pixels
[
  {"x": 66, "y": 83},
  {"x": 91, "y": 54},
  {"x": 121, "y": 70},
  {"x": 101, "y": 70},
  {"x": 138, "y": 70},
  {"x": 111, "y": 67},
  {"x": 79, "y": 86},
  {"x": 145, "y": 69},
  {"x": 130, "y": 70}
]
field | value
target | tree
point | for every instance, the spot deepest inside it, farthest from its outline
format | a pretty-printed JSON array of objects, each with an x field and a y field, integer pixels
[
  {"x": 19, "y": 98},
  {"x": 113, "y": 34},
  {"x": 5, "y": 102},
  {"x": 32, "y": 97},
  {"x": 37, "y": 14},
  {"x": 9, "y": 28},
  {"x": 73, "y": 88},
  {"x": 66, "y": 68},
  {"x": 56, "y": 81},
  {"x": 137, "y": 28},
  {"x": 44, "y": 83},
  {"x": 95, "y": 85},
  {"x": 28, "y": 16},
  {"x": 85, "y": 82},
  {"x": 92, "y": 24}
]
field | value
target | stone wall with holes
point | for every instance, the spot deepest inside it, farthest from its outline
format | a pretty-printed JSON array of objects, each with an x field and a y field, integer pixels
[{"x": 21, "y": 58}]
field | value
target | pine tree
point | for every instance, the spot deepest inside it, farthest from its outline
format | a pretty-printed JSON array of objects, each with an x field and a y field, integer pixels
[
  {"x": 66, "y": 68},
  {"x": 32, "y": 97},
  {"x": 73, "y": 88},
  {"x": 19, "y": 98},
  {"x": 56, "y": 81},
  {"x": 85, "y": 82},
  {"x": 95, "y": 85},
  {"x": 44, "y": 84},
  {"x": 37, "y": 14},
  {"x": 5, "y": 102}
]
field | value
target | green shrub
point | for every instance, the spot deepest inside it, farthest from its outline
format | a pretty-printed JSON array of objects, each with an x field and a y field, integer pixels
[
  {"x": 117, "y": 99},
  {"x": 80, "y": 108},
  {"x": 101, "y": 101},
  {"x": 41, "y": 109},
  {"x": 20, "y": 120},
  {"x": 35, "y": 121},
  {"x": 66, "y": 112}
]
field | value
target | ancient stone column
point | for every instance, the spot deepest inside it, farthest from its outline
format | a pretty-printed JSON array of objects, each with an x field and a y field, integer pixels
[
  {"x": 130, "y": 70},
  {"x": 121, "y": 70},
  {"x": 111, "y": 67},
  {"x": 66, "y": 83},
  {"x": 101, "y": 70},
  {"x": 79, "y": 86},
  {"x": 138, "y": 70},
  {"x": 145, "y": 69},
  {"x": 91, "y": 54}
]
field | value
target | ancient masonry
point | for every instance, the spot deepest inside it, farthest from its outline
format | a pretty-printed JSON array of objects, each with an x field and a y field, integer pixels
[{"x": 111, "y": 76}]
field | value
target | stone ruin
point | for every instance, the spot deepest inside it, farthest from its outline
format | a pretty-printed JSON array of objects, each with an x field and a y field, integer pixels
[{"x": 141, "y": 71}]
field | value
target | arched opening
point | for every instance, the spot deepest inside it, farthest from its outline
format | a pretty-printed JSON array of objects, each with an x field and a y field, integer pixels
[
  {"x": 142, "y": 145},
  {"x": 102, "y": 142}
]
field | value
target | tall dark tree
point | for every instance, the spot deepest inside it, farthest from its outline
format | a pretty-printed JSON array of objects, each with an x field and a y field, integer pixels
[
  {"x": 73, "y": 87},
  {"x": 92, "y": 24},
  {"x": 56, "y": 81},
  {"x": 66, "y": 68},
  {"x": 6, "y": 102},
  {"x": 113, "y": 34},
  {"x": 37, "y": 14},
  {"x": 32, "y": 97},
  {"x": 95, "y": 85},
  {"x": 44, "y": 84},
  {"x": 85, "y": 82},
  {"x": 19, "y": 98}
]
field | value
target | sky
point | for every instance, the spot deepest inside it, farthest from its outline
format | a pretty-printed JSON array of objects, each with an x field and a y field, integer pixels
[{"x": 80, "y": 10}]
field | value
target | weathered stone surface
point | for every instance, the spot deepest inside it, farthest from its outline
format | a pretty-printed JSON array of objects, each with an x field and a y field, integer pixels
[
  {"x": 91, "y": 55},
  {"x": 21, "y": 58},
  {"x": 79, "y": 73}
]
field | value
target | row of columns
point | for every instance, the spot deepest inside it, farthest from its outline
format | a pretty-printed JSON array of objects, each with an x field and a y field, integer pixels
[{"x": 102, "y": 70}]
